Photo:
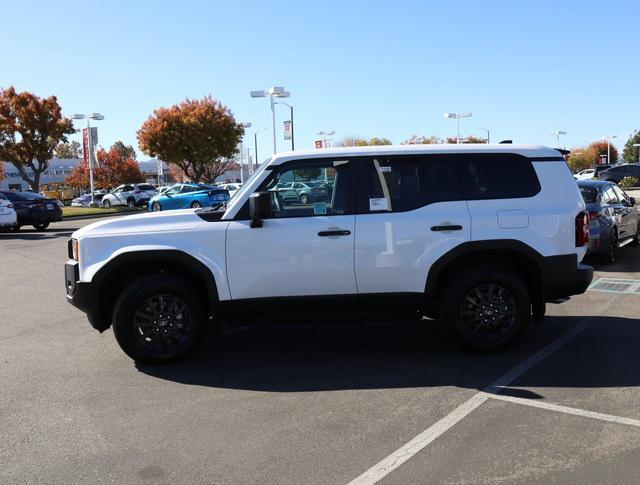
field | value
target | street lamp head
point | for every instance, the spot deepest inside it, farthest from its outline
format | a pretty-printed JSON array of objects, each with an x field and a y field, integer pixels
[
  {"x": 77, "y": 117},
  {"x": 246, "y": 125},
  {"x": 258, "y": 94},
  {"x": 465, "y": 115},
  {"x": 449, "y": 115},
  {"x": 283, "y": 94},
  {"x": 96, "y": 116}
]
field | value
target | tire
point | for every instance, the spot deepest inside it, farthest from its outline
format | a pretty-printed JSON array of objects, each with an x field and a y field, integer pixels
[
  {"x": 133, "y": 314},
  {"x": 106, "y": 204},
  {"x": 609, "y": 256},
  {"x": 14, "y": 228},
  {"x": 470, "y": 311},
  {"x": 636, "y": 240},
  {"x": 304, "y": 198},
  {"x": 156, "y": 207},
  {"x": 131, "y": 203},
  {"x": 195, "y": 204},
  {"x": 41, "y": 226}
]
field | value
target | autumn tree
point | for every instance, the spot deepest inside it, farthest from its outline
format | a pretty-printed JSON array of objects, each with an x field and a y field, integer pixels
[
  {"x": 112, "y": 170},
  {"x": 68, "y": 150},
  {"x": 579, "y": 160},
  {"x": 630, "y": 153},
  {"x": 466, "y": 139},
  {"x": 199, "y": 136},
  {"x": 422, "y": 140},
  {"x": 79, "y": 176},
  {"x": 595, "y": 150},
  {"x": 30, "y": 129}
]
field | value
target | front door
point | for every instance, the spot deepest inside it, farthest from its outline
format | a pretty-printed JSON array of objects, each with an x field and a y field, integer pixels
[{"x": 302, "y": 249}]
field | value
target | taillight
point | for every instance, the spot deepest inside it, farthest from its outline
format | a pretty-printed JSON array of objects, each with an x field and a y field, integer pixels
[
  {"x": 582, "y": 229},
  {"x": 594, "y": 215}
]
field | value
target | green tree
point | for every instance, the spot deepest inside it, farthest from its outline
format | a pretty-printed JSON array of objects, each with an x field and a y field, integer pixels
[
  {"x": 375, "y": 141},
  {"x": 199, "y": 136},
  {"x": 351, "y": 141},
  {"x": 30, "y": 129},
  {"x": 68, "y": 150},
  {"x": 629, "y": 152},
  {"x": 126, "y": 151},
  {"x": 422, "y": 140},
  {"x": 579, "y": 159}
]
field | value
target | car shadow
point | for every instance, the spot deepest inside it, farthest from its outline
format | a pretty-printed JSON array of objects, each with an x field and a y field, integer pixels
[
  {"x": 396, "y": 355},
  {"x": 627, "y": 261},
  {"x": 31, "y": 234}
]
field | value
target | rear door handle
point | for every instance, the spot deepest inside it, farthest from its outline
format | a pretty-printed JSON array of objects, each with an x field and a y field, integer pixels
[
  {"x": 333, "y": 233},
  {"x": 446, "y": 228}
]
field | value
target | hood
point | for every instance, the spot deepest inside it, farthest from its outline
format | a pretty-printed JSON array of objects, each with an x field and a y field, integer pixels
[{"x": 166, "y": 221}]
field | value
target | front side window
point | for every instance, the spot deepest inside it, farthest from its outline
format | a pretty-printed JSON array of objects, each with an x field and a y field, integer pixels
[
  {"x": 404, "y": 183},
  {"x": 293, "y": 196},
  {"x": 622, "y": 196},
  {"x": 609, "y": 196}
]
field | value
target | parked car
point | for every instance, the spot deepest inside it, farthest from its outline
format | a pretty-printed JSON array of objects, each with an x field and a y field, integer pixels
[
  {"x": 601, "y": 168},
  {"x": 613, "y": 218},
  {"x": 479, "y": 237},
  {"x": 183, "y": 196},
  {"x": 585, "y": 174},
  {"x": 129, "y": 195},
  {"x": 8, "y": 216},
  {"x": 618, "y": 172},
  {"x": 85, "y": 199},
  {"x": 302, "y": 192},
  {"x": 34, "y": 209},
  {"x": 232, "y": 188}
]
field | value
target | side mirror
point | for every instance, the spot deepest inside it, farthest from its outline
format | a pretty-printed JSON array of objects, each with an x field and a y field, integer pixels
[
  {"x": 632, "y": 201},
  {"x": 259, "y": 207}
]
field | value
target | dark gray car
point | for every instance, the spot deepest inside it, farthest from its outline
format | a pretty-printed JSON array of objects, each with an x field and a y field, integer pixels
[
  {"x": 613, "y": 218},
  {"x": 618, "y": 172}
]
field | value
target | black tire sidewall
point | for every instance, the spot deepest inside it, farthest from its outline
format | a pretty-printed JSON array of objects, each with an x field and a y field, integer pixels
[
  {"x": 460, "y": 286},
  {"x": 132, "y": 298}
]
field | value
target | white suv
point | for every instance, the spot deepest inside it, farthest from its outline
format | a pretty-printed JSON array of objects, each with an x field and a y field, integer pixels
[
  {"x": 8, "y": 216},
  {"x": 478, "y": 236},
  {"x": 130, "y": 195}
]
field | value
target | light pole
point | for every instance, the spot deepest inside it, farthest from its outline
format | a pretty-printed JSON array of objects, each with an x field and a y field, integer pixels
[
  {"x": 457, "y": 117},
  {"x": 272, "y": 92},
  {"x": 557, "y": 134},
  {"x": 291, "y": 115},
  {"x": 324, "y": 135},
  {"x": 609, "y": 138},
  {"x": 637, "y": 145},
  {"x": 255, "y": 144},
  {"x": 488, "y": 134},
  {"x": 97, "y": 117},
  {"x": 244, "y": 125}
]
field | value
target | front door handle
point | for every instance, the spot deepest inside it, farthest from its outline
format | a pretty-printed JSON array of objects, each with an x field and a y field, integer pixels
[
  {"x": 446, "y": 228},
  {"x": 333, "y": 233}
]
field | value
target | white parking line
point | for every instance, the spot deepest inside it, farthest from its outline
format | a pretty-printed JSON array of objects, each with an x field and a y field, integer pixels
[
  {"x": 565, "y": 409},
  {"x": 405, "y": 452}
]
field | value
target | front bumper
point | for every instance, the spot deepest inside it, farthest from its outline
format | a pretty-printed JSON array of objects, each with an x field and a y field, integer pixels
[
  {"x": 563, "y": 277},
  {"x": 83, "y": 296}
]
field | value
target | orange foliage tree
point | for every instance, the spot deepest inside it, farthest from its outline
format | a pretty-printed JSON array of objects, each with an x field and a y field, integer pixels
[
  {"x": 199, "y": 136},
  {"x": 112, "y": 170}
]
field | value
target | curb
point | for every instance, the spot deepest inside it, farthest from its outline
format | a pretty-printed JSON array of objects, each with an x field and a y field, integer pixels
[{"x": 100, "y": 216}]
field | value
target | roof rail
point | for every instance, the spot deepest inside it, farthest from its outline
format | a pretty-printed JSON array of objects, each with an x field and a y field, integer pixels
[{"x": 506, "y": 142}]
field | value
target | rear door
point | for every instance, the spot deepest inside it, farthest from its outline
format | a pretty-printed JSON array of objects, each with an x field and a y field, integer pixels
[{"x": 410, "y": 213}]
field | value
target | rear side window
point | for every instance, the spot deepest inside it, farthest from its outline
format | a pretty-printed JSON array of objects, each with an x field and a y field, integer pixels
[
  {"x": 589, "y": 194},
  {"x": 404, "y": 183},
  {"x": 497, "y": 176}
]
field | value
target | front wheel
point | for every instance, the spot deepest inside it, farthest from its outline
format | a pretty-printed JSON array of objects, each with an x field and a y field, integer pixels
[
  {"x": 304, "y": 198},
  {"x": 485, "y": 309},
  {"x": 636, "y": 240},
  {"x": 41, "y": 226},
  {"x": 131, "y": 203},
  {"x": 158, "y": 319},
  {"x": 106, "y": 204},
  {"x": 155, "y": 207},
  {"x": 196, "y": 205}
]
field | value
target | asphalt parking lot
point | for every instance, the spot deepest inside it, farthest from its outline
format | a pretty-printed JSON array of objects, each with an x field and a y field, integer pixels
[{"x": 391, "y": 402}]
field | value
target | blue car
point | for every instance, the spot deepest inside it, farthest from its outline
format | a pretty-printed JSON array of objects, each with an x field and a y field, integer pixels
[{"x": 184, "y": 196}]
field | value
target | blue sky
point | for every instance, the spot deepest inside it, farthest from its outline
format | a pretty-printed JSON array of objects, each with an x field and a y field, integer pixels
[{"x": 360, "y": 68}]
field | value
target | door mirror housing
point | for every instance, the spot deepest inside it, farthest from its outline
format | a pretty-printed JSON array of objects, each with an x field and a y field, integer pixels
[
  {"x": 632, "y": 201},
  {"x": 259, "y": 207}
]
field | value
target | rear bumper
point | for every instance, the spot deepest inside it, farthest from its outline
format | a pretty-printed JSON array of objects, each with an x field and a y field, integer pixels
[
  {"x": 83, "y": 296},
  {"x": 563, "y": 277}
]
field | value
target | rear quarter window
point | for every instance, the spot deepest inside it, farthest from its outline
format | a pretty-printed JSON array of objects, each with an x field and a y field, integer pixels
[{"x": 497, "y": 176}]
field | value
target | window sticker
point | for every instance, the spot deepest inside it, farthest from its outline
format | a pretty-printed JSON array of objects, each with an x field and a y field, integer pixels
[
  {"x": 385, "y": 169},
  {"x": 378, "y": 204},
  {"x": 319, "y": 208}
]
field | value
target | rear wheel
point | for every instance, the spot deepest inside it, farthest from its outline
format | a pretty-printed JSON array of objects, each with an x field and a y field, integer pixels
[
  {"x": 485, "y": 309},
  {"x": 14, "y": 228},
  {"x": 304, "y": 198},
  {"x": 158, "y": 319},
  {"x": 196, "y": 205},
  {"x": 131, "y": 203},
  {"x": 41, "y": 226},
  {"x": 106, "y": 204}
]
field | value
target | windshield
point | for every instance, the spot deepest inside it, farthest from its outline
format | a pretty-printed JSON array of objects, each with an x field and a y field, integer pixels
[{"x": 246, "y": 184}]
